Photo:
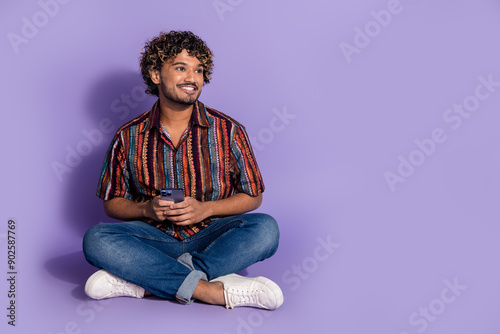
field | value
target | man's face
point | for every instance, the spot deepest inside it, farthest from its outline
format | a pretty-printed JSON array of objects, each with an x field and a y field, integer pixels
[{"x": 180, "y": 79}]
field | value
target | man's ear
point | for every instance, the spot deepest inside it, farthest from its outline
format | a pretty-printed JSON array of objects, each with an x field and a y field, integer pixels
[{"x": 155, "y": 76}]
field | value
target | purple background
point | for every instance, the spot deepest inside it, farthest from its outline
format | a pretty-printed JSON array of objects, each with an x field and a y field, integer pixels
[{"x": 351, "y": 115}]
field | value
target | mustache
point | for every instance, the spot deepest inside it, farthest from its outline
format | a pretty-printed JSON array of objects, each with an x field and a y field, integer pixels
[{"x": 188, "y": 84}]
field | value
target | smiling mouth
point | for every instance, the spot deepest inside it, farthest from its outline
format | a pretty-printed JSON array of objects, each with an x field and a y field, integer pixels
[{"x": 188, "y": 88}]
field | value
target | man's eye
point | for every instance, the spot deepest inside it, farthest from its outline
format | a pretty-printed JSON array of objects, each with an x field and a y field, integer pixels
[
  {"x": 199, "y": 71},
  {"x": 180, "y": 68}
]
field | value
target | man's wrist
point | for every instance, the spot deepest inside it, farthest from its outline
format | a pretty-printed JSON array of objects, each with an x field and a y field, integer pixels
[
  {"x": 208, "y": 208},
  {"x": 145, "y": 209}
]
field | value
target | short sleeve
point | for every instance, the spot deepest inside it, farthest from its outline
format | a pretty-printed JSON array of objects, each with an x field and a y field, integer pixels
[
  {"x": 114, "y": 179},
  {"x": 248, "y": 178}
]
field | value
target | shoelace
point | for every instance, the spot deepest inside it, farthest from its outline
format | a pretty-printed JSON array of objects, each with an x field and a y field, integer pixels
[
  {"x": 121, "y": 286},
  {"x": 243, "y": 297}
]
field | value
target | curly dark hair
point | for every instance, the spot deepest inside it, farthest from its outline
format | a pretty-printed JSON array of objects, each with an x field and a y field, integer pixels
[{"x": 168, "y": 45}]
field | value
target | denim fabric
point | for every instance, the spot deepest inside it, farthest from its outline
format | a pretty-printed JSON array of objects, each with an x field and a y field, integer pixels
[{"x": 144, "y": 255}]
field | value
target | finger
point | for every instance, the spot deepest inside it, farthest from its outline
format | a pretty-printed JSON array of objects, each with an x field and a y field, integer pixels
[
  {"x": 180, "y": 212},
  {"x": 180, "y": 205},
  {"x": 184, "y": 219},
  {"x": 160, "y": 215},
  {"x": 164, "y": 204},
  {"x": 175, "y": 216}
]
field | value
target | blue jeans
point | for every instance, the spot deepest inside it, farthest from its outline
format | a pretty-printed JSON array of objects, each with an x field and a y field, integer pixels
[{"x": 144, "y": 255}]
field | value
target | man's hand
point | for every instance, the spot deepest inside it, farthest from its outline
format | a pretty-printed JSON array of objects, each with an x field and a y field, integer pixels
[
  {"x": 157, "y": 209},
  {"x": 190, "y": 211}
]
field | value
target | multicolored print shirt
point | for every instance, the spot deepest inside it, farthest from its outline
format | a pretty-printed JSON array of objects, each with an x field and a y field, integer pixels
[{"x": 214, "y": 160}]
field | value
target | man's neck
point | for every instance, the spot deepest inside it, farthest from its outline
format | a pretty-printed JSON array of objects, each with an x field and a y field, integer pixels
[{"x": 174, "y": 114}]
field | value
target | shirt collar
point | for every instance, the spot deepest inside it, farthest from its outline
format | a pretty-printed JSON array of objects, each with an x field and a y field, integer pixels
[{"x": 198, "y": 117}]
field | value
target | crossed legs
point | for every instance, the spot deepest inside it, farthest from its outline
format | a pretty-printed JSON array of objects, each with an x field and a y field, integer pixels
[{"x": 144, "y": 256}]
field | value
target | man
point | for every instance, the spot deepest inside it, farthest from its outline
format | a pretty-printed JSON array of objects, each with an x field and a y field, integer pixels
[{"x": 191, "y": 249}]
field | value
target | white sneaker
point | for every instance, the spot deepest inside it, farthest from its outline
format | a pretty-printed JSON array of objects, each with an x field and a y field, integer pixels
[
  {"x": 105, "y": 285},
  {"x": 250, "y": 291}
]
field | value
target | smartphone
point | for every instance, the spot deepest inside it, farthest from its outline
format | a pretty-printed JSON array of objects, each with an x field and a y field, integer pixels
[{"x": 172, "y": 194}]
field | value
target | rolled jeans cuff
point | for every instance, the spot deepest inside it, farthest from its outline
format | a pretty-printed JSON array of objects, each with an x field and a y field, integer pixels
[{"x": 185, "y": 292}]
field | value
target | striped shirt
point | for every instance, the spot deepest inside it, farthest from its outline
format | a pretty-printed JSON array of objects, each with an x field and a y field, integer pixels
[{"x": 213, "y": 161}]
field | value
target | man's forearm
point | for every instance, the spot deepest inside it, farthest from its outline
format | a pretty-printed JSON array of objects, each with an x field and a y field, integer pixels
[
  {"x": 234, "y": 205},
  {"x": 124, "y": 209}
]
